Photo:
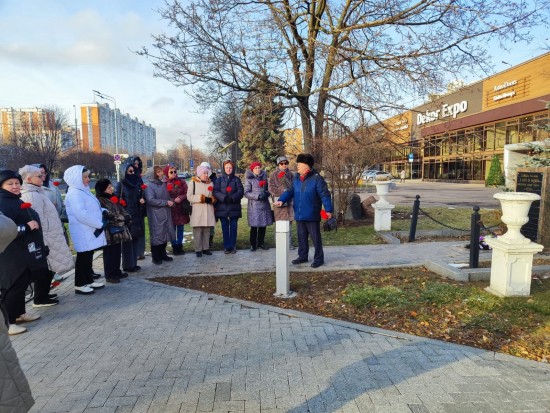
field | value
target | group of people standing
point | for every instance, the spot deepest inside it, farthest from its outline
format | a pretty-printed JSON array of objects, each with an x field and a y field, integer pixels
[
  {"x": 299, "y": 197},
  {"x": 40, "y": 249},
  {"x": 113, "y": 220}
]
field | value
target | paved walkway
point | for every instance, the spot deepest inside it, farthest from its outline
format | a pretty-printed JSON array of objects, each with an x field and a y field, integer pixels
[{"x": 143, "y": 347}]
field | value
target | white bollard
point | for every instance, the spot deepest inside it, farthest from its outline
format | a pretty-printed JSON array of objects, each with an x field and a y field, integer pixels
[{"x": 282, "y": 237}]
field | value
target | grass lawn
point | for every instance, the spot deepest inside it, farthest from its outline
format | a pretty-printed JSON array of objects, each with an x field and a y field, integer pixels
[{"x": 362, "y": 232}]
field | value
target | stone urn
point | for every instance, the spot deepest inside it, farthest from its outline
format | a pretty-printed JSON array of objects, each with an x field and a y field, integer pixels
[
  {"x": 382, "y": 189},
  {"x": 515, "y": 210}
]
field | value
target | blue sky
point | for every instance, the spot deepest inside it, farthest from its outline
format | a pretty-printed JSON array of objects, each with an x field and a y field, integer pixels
[{"x": 54, "y": 52}]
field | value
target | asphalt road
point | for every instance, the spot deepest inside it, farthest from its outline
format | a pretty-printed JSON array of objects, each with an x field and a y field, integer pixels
[{"x": 440, "y": 194}]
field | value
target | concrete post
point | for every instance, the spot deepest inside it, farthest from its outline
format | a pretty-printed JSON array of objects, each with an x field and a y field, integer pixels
[{"x": 282, "y": 237}]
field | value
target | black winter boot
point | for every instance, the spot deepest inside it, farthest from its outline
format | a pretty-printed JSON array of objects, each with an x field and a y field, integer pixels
[
  {"x": 178, "y": 250},
  {"x": 156, "y": 254}
]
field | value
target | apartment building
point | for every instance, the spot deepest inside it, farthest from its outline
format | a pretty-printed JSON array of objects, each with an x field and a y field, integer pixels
[
  {"x": 35, "y": 122},
  {"x": 108, "y": 130},
  {"x": 20, "y": 121}
]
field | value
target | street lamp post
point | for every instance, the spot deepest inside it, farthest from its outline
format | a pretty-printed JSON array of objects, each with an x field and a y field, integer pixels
[
  {"x": 112, "y": 99},
  {"x": 76, "y": 135},
  {"x": 190, "y": 149}
]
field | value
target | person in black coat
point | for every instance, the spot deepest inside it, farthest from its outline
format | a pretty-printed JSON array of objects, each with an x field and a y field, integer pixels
[
  {"x": 130, "y": 189},
  {"x": 24, "y": 257},
  {"x": 228, "y": 190},
  {"x": 138, "y": 170}
]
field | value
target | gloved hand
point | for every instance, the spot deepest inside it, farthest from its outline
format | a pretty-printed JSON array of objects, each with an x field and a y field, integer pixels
[
  {"x": 228, "y": 199},
  {"x": 262, "y": 196},
  {"x": 208, "y": 199}
]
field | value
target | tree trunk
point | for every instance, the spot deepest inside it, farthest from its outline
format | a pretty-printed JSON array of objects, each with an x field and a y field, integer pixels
[{"x": 305, "y": 117}]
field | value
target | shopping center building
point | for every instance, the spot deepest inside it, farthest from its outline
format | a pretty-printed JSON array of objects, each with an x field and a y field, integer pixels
[{"x": 454, "y": 137}]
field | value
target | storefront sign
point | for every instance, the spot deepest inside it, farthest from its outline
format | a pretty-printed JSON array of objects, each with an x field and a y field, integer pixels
[
  {"x": 505, "y": 85},
  {"x": 446, "y": 111}
]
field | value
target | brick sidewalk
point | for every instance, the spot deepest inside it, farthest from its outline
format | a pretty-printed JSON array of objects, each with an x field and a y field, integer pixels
[{"x": 143, "y": 347}]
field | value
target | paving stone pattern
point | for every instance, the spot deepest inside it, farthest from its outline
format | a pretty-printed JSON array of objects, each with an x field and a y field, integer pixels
[{"x": 139, "y": 346}]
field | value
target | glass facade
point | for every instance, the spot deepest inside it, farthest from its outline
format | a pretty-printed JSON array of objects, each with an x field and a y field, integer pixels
[{"x": 465, "y": 154}]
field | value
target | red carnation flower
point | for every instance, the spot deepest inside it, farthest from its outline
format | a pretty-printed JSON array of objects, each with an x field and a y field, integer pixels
[
  {"x": 169, "y": 187},
  {"x": 143, "y": 186},
  {"x": 26, "y": 205},
  {"x": 55, "y": 183},
  {"x": 210, "y": 188},
  {"x": 324, "y": 214},
  {"x": 122, "y": 202},
  {"x": 262, "y": 183},
  {"x": 177, "y": 183},
  {"x": 228, "y": 189},
  {"x": 114, "y": 199},
  {"x": 281, "y": 175}
]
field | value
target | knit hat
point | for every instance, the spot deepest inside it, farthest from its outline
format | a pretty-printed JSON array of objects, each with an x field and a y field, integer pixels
[
  {"x": 305, "y": 158},
  {"x": 102, "y": 185},
  {"x": 255, "y": 164},
  {"x": 202, "y": 169},
  {"x": 282, "y": 159},
  {"x": 9, "y": 174},
  {"x": 207, "y": 164}
]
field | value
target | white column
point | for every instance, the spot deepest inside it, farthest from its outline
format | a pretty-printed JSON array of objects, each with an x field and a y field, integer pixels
[
  {"x": 282, "y": 237},
  {"x": 382, "y": 208}
]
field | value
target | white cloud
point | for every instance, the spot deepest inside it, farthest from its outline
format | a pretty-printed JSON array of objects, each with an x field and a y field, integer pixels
[{"x": 162, "y": 102}]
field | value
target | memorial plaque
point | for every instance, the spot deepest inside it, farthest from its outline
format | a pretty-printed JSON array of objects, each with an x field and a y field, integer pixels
[
  {"x": 535, "y": 180},
  {"x": 531, "y": 182}
]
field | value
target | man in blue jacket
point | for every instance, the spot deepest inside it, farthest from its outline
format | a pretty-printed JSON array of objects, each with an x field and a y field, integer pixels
[{"x": 310, "y": 193}]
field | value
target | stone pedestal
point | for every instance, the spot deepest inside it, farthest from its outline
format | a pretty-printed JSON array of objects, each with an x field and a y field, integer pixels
[
  {"x": 511, "y": 267},
  {"x": 382, "y": 209},
  {"x": 512, "y": 258},
  {"x": 282, "y": 239}
]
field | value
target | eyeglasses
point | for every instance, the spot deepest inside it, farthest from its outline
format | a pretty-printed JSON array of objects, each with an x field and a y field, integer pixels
[
  {"x": 283, "y": 163},
  {"x": 172, "y": 172},
  {"x": 129, "y": 172}
]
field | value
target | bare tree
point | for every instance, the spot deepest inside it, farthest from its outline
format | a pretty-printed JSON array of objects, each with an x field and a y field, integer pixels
[
  {"x": 100, "y": 164},
  {"x": 322, "y": 53},
  {"x": 346, "y": 155},
  {"x": 42, "y": 139},
  {"x": 225, "y": 128}
]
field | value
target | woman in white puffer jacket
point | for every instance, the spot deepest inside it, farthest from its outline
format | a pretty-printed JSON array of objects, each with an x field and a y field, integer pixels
[{"x": 85, "y": 217}]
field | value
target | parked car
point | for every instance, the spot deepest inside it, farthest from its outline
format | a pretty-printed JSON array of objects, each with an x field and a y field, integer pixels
[
  {"x": 372, "y": 175},
  {"x": 184, "y": 175}
]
